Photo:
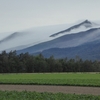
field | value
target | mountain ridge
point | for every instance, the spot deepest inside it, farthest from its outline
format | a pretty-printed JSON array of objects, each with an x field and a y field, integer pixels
[
  {"x": 46, "y": 38},
  {"x": 66, "y": 40},
  {"x": 85, "y": 23}
]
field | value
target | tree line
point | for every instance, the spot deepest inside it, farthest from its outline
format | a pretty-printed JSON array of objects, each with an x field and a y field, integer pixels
[{"x": 25, "y": 63}]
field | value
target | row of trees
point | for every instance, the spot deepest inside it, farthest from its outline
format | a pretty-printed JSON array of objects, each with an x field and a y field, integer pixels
[{"x": 25, "y": 63}]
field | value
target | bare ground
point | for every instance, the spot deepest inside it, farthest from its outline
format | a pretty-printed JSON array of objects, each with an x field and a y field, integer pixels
[{"x": 53, "y": 89}]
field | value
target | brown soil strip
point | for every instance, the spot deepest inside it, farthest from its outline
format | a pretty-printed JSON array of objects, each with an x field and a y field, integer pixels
[{"x": 53, "y": 89}]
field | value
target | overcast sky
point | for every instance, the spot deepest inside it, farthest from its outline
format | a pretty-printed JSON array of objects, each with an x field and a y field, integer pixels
[{"x": 23, "y": 14}]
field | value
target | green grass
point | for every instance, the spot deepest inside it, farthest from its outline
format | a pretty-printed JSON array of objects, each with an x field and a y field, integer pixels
[
  {"x": 75, "y": 79},
  {"x": 25, "y": 95}
]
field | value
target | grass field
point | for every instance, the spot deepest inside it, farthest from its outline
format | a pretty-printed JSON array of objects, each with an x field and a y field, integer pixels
[
  {"x": 25, "y": 95},
  {"x": 74, "y": 79}
]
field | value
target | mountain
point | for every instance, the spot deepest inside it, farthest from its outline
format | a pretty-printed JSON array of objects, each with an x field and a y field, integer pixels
[
  {"x": 83, "y": 26},
  {"x": 90, "y": 50},
  {"x": 66, "y": 41},
  {"x": 83, "y": 44},
  {"x": 29, "y": 37},
  {"x": 58, "y": 40}
]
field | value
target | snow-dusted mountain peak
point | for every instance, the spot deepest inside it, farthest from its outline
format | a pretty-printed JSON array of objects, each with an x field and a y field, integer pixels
[
  {"x": 88, "y": 24},
  {"x": 34, "y": 36},
  {"x": 82, "y": 26},
  {"x": 87, "y": 21}
]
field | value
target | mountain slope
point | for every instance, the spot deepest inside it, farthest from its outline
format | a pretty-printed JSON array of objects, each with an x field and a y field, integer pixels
[
  {"x": 34, "y": 36},
  {"x": 60, "y": 40},
  {"x": 83, "y": 26},
  {"x": 26, "y": 38},
  {"x": 90, "y": 50},
  {"x": 66, "y": 41}
]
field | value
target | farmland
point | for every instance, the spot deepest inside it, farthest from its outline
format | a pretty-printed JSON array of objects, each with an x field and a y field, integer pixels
[
  {"x": 25, "y": 95},
  {"x": 67, "y": 79},
  {"x": 27, "y": 83}
]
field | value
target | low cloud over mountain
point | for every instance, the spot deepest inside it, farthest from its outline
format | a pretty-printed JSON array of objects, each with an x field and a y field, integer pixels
[{"x": 81, "y": 39}]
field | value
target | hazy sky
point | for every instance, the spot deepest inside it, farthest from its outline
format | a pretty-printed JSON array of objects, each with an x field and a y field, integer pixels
[{"x": 22, "y": 14}]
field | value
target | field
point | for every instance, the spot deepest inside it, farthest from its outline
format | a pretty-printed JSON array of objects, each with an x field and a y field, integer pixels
[
  {"x": 25, "y": 95},
  {"x": 67, "y": 79},
  {"x": 45, "y": 85}
]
